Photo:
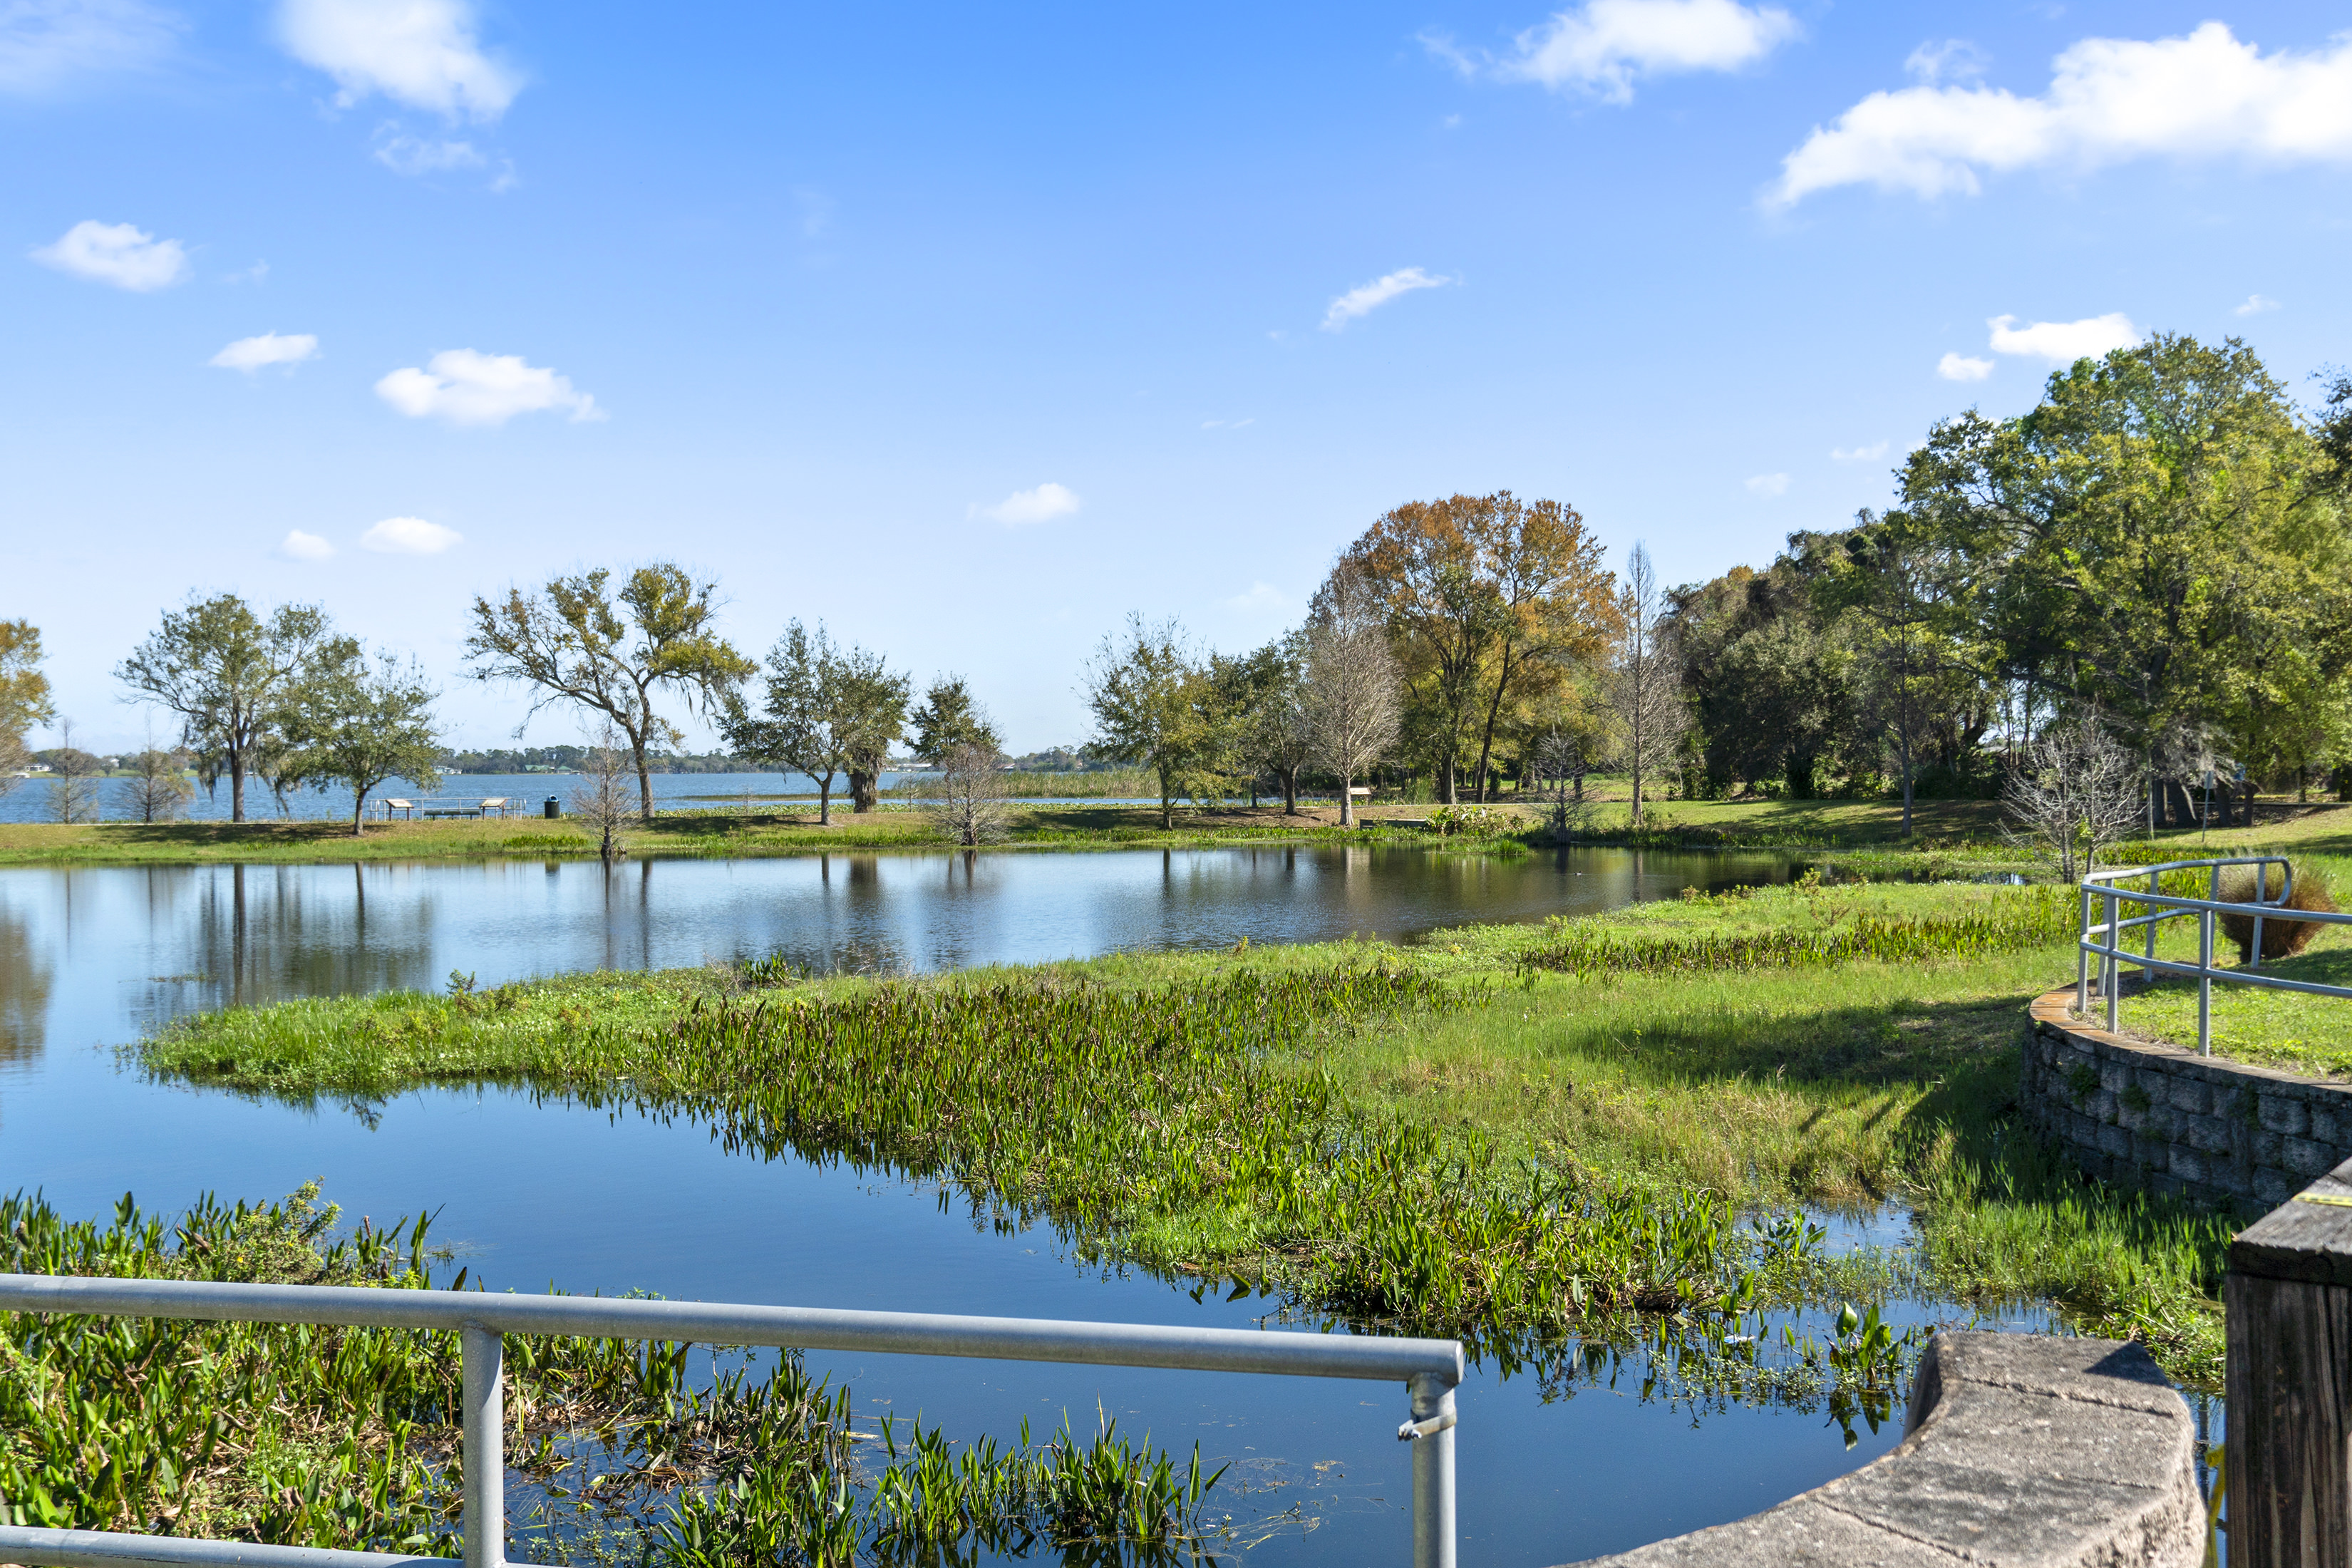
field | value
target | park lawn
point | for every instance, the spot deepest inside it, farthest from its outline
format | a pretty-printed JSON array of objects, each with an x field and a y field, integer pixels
[
  {"x": 1840, "y": 1084},
  {"x": 2283, "y": 1029},
  {"x": 701, "y": 833}
]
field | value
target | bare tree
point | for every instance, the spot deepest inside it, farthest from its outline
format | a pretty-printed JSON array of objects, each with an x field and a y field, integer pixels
[
  {"x": 73, "y": 781},
  {"x": 966, "y": 801},
  {"x": 1354, "y": 697},
  {"x": 1645, "y": 695},
  {"x": 159, "y": 788},
  {"x": 2072, "y": 792},
  {"x": 1562, "y": 757},
  {"x": 602, "y": 800}
]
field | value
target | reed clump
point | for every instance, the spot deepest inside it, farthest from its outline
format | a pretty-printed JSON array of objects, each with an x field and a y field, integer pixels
[{"x": 2306, "y": 889}]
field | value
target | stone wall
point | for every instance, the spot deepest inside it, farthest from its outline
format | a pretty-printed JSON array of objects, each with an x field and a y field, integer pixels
[
  {"x": 2020, "y": 1449},
  {"x": 2162, "y": 1117}
]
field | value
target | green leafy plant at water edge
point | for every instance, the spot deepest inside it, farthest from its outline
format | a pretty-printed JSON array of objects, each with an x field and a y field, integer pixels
[
  {"x": 1193, "y": 1128},
  {"x": 2019, "y": 920},
  {"x": 347, "y": 1437}
]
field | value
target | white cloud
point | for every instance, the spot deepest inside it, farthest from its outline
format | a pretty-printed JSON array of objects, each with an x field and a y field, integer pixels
[
  {"x": 1263, "y": 598},
  {"x": 406, "y": 155},
  {"x": 465, "y": 387},
  {"x": 116, "y": 253},
  {"x": 1963, "y": 367},
  {"x": 299, "y": 546},
  {"x": 2255, "y": 305},
  {"x": 1869, "y": 454},
  {"x": 2063, "y": 342},
  {"x": 1364, "y": 300},
  {"x": 1227, "y": 424},
  {"x": 1602, "y": 47},
  {"x": 2203, "y": 96},
  {"x": 409, "y": 536},
  {"x": 44, "y": 43},
  {"x": 1044, "y": 504},
  {"x": 1768, "y": 485},
  {"x": 252, "y": 353},
  {"x": 422, "y": 53}
]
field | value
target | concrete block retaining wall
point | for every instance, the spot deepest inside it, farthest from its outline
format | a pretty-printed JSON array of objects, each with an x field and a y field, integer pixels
[
  {"x": 2019, "y": 1449},
  {"x": 2162, "y": 1117}
]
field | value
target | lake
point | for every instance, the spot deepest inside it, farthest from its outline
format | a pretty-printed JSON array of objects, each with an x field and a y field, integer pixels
[{"x": 549, "y": 1193}]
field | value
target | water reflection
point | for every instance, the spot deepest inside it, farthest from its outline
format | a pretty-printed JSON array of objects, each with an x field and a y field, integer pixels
[
  {"x": 25, "y": 972},
  {"x": 160, "y": 940}
]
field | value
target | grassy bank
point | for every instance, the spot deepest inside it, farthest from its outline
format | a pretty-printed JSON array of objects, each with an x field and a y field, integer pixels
[{"x": 1527, "y": 1135}]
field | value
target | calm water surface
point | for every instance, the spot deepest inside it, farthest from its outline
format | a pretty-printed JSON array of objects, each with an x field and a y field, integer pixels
[{"x": 540, "y": 1194}]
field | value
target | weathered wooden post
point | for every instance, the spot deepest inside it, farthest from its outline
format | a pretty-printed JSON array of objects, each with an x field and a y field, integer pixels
[{"x": 2288, "y": 1297}]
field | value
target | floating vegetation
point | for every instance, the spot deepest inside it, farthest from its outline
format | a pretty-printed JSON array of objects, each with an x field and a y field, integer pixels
[{"x": 348, "y": 1437}]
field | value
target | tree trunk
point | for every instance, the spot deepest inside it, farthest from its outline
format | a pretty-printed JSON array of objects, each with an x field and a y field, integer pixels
[
  {"x": 645, "y": 780},
  {"x": 1445, "y": 782},
  {"x": 1903, "y": 748},
  {"x": 235, "y": 785},
  {"x": 862, "y": 790},
  {"x": 1167, "y": 803},
  {"x": 1290, "y": 792},
  {"x": 824, "y": 800},
  {"x": 1347, "y": 799},
  {"x": 359, "y": 815}
]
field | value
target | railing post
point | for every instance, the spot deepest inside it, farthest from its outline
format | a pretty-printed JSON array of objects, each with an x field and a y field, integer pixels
[
  {"x": 2204, "y": 982},
  {"x": 2082, "y": 955},
  {"x": 2155, "y": 916},
  {"x": 485, "y": 1445},
  {"x": 2113, "y": 969},
  {"x": 1433, "y": 1473}
]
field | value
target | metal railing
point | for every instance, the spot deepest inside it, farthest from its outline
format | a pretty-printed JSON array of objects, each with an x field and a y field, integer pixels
[
  {"x": 2104, "y": 940},
  {"x": 1430, "y": 1369}
]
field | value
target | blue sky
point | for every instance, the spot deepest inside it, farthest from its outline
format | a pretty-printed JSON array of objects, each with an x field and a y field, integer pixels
[{"x": 968, "y": 332}]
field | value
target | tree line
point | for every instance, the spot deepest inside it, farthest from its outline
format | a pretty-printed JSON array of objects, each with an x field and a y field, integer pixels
[
  {"x": 2157, "y": 553},
  {"x": 2155, "y": 556}
]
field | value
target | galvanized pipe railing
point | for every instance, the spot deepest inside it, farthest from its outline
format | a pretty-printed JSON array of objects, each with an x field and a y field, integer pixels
[
  {"x": 2104, "y": 939},
  {"x": 1431, "y": 1369}
]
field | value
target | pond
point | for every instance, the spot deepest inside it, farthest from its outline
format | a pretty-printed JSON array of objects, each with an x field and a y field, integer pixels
[{"x": 1552, "y": 1469}]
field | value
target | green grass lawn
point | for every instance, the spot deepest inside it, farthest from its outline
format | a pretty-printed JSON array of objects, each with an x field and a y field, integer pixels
[{"x": 2298, "y": 1033}]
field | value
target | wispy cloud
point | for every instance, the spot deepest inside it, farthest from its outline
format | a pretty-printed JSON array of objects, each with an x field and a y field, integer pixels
[
  {"x": 45, "y": 44},
  {"x": 1963, "y": 367},
  {"x": 250, "y": 354},
  {"x": 299, "y": 546},
  {"x": 2206, "y": 95},
  {"x": 423, "y": 53},
  {"x": 1603, "y": 46},
  {"x": 466, "y": 387},
  {"x": 2255, "y": 305},
  {"x": 1363, "y": 301},
  {"x": 1767, "y": 485},
  {"x": 116, "y": 253},
  {"x": 2063, "y": 342},
  {"x": 1227, "y": 424},
  {"x": 1261, "y": 598},
  {"x": 402, "y": 153},
  {"x": 1022, "y": 508},
  {"x": 1869, "y": 454},
  {"x": 410, "y": 536}
]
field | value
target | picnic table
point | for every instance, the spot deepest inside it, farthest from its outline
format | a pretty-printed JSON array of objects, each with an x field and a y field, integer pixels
[{"x": 445, "y": 806}]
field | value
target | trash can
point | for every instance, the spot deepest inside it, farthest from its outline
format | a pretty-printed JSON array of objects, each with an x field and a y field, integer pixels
[{"x": 555, "y": 808}]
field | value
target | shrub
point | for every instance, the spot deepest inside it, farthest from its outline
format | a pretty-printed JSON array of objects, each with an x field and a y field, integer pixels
[{"x": 2307, "y": 889}]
